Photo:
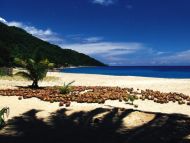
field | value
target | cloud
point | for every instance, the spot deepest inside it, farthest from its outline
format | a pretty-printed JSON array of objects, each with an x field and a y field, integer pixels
[
  {"x": 113, "y": 53},
  {"x": 46, "y": 35},
  {"x": 177, "y": 58},
  {"x": 93, "y": 39},
  {"x": 81, "y": 38},
  {"x": 161, "y": 53},
  {"x": 108, "y": 48},
  {"x": 2, "y": 20},
  {"x": 104, "y": 2},
  {"x": 108, "y": 52},
  {"x": 130, "y": 53}
]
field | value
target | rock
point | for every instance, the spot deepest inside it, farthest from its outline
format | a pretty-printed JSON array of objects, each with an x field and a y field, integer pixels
[
  {"x": 61, "y": 104},
  {"x": 51, "y": 101},
  {"x": 68, "y": 104},
  {"x": 181, "y": 102},
  {"x": 24, "y": 97},
  {"x": 188, "y": 103},
  {"x": 126, "y": 99},
  {"x": 143, "y": 97},
  {"x": 155, "y": 100},
  {"x": 19, "y": 98},
  {"x": 136, "y": 106}
]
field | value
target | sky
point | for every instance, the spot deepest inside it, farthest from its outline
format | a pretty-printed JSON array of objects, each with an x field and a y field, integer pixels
[{"x": 116, "y": 32}]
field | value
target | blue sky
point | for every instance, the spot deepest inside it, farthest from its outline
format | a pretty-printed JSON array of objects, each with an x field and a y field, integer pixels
[{"x": 116, "y": 32}]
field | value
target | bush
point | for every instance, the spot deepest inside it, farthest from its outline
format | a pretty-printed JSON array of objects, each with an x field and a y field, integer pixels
[
  {"x": 3, "y": 112},
  {"x": 66, "y": 88}
]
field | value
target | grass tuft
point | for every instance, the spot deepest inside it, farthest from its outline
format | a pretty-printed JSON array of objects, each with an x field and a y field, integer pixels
[{"x": 66, "y": 88}]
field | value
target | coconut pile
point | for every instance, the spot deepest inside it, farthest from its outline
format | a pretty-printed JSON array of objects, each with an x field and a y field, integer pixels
[
  {"x": 95, "y": 94},
  {"x": 162, "y": 98}
]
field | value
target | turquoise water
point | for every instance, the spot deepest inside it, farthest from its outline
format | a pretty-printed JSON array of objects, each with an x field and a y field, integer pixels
[{"x": 145, "y": 71}]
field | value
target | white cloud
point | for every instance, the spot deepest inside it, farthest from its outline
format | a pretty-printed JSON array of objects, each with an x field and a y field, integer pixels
[
  {"x": 104, "y": 2},
  {"x": 108, "y": 48},
  {"x": 114, "y": 53},
  {"x": 81, "y": 38},
  {"x": 2, "y": 20},
  {"x": 93, "y": 39},
  {"x": 14, "y": 23},
  {"x": 46, "y": 35},
  {"x": 178, "y": 58},
  {"x": 108, "y": 52},
  {"x": 161, "y": 53}
]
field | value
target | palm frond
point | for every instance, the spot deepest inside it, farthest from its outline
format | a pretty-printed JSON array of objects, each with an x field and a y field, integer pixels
[
  {"x": 65, "y": 89},
  {"x": 20, "y": 62},
  {"x": 31, "y": 61},
  {"x": 51, "y": 65},
  {"x": 67, "y": 85},
  {"x": 46, "y": 63}
]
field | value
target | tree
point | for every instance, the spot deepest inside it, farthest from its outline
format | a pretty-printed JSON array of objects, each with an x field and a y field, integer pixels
[{"x": 35, "y": 70}]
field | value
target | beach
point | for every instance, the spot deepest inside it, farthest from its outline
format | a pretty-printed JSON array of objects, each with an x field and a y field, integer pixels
[
  {"x": 26, "y": 111},
  {"x": 141, "y": 83},
  {"x": 161, "y": 84}
]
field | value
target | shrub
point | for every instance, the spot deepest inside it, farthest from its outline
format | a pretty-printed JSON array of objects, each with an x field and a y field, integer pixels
[
  {"x": 3, "y": 112},
  {"x": 66, "y": 88}
]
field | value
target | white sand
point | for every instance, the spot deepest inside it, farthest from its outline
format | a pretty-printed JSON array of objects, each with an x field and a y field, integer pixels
[
  {"x": 161, "y": 84},
  {"x": 18, "y": 107}
]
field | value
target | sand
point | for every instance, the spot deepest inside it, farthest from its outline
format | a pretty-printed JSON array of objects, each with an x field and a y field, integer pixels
[
  {"x": 161, "y": 84},
  {"x": 18, "y": 107}
]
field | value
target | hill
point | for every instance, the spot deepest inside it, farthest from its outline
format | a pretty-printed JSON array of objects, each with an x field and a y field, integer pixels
[{"x": 16, "y": 42}]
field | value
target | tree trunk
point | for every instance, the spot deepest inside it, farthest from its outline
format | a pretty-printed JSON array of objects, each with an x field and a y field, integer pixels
[{"x": 35, "y": 84}]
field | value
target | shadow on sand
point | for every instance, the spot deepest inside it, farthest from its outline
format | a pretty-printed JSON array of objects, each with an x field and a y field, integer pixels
[{"x": 81, "y": 127}]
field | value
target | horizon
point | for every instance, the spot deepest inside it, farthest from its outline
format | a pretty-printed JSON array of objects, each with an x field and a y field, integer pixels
[{"x": 115, "y": 32}]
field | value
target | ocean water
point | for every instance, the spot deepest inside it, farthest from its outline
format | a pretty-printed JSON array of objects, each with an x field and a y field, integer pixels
[{"x": 145, "y": 71}]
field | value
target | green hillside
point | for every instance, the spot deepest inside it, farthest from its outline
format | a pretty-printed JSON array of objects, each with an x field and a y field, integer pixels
[{"x": 15, "y": 42}]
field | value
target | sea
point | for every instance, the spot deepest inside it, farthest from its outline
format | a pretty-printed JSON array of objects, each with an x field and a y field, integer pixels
[{"x": 142, "y": 71}]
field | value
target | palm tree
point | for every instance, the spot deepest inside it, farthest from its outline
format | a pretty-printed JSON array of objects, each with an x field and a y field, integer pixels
[{"x": 35, "y": 70}]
